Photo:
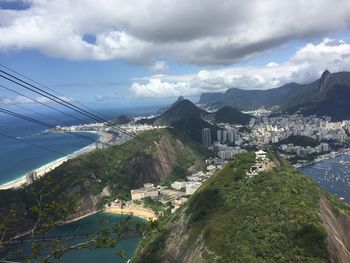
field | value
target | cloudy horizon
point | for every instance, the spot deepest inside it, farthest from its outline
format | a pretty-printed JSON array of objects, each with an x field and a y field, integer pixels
[{"x": 163, "y": 49}]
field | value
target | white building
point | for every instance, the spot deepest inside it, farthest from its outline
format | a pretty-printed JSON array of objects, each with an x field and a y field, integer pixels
[
  {"x": 260, "y": 155},
  {"x": 178, "y": 185},
  {"x": 147, "y": 191},
  {"x": 31, "y": 177},
  {"x": 192, "y": 187}
]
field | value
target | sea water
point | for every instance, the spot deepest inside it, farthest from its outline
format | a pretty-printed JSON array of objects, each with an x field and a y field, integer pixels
[
  {"x": 333, "y": 174},
  {"x": 18, "y": 158},
  {"x": 84, "y": 226}
]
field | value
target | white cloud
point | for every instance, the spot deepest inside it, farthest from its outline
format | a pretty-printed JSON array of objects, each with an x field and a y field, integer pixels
[
  {"x": 304, "y": 66},
  {"x": 160, "y": 67},
  {"x": 25, "y": 100},
  {"x": 201, "y": 32},
  {"x": 158, "y": 88}
]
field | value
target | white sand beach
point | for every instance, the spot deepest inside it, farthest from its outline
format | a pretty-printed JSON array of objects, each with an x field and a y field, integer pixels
[
  {"x": 42, "y": 170},
  {"x": 134, "y": 210}
]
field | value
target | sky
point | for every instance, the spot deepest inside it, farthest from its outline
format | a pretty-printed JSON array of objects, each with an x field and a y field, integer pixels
[{"x": 135, "y": 52}]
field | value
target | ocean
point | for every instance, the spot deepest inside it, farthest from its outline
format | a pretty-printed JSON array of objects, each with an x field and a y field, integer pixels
[
  {"x": 332, "y": 174},
  {"x": 18, "y": 158}
]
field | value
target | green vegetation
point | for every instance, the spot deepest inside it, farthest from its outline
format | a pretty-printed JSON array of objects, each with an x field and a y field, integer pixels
[
  {"x": 192, "y": 127},
  {"x": 230, "y": 115},
  {"x": 180, "y": 169},
  {"x": 104, "y": 167},
  {"x": 300, "y": 140},
  {"x": 92, "y": 172},
  {"x": 68, "y": 189},
  {"x": 273, "y": 217},
  {"x": 155, "y": 205},
  {"x": 89, "y": 174}
]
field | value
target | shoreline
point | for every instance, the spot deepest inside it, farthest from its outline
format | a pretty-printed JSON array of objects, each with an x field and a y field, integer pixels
[
  {"x": 133, "y": 210},
  {"x": 42, "y": 170},
  {"x": 79, "y": 217},
  {"x": 322, "y": 158}
]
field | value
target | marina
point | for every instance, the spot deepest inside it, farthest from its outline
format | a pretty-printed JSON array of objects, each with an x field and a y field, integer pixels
[{"x": 332, "y": 173}]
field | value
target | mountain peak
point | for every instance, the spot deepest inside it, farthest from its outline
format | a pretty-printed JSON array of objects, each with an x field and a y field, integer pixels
[
  {"x": 181, "y": 109},
  {"x": 324, "y": 78},
  {"x": 180, "y": 98},
  {"x": 164, "y": 109}
]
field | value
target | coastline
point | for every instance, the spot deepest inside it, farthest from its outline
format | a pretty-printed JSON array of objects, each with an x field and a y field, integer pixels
[
  {"x": 80, "y": 217},
  {"x": 133, "y": 210},
  {"x": 323, "y": 157},
  {"x": 42, "y": 170}
]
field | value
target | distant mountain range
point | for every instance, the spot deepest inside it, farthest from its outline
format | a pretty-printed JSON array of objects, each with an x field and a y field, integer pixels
[
  {"x": 186, "y": 117},
  {"x": 329, "y": 95}
]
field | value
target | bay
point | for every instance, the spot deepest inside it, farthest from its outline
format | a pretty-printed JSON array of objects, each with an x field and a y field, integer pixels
[
  {"x": 333, "y": 174},
  {"x": 82, "y": 227}
]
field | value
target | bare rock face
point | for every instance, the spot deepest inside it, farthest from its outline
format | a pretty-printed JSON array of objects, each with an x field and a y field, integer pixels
[
  {"x": 329, "y": 80},
  {"x": 87, "y": 203},
  {"x": 154, "y": 165},
  {"x": 324, "y": 79},
  {"x": 175, "y": 249},
  {"x": 338, "y": 233}
]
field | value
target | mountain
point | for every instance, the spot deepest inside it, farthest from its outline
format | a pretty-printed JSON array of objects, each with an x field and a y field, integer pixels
[
  {"x": 230, "y": 115},
  {"x": 188, "y": 119},
  {"x": 278, "y": 216},
  {"x": 180, "y": 110},
  {"x": 164, "y": 109},
  {"x": 123, "y": 119},
  {"x": 252, "y": 99},
  {"x": 185, "y": 117},
  {"x": 329, "y": 95},
  {"x": 332, "y": 97},
  {"x": 85, "y": 182},
  {"x": 299, "y": 140}
]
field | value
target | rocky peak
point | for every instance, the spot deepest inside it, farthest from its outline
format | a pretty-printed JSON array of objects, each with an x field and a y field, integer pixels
[
  {"x": 323, "y": 81},
  {"x": 180, "y": 98}
]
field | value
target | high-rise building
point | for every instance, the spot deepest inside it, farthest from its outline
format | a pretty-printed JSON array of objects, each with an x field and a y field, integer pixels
[
  {"x": 218, "y": 135},
  {"x": 325, "y": 147},
  {"x": 206, "y": 138},
  {"x": 224, "y": 136},
  {"x": 31, "y": 177},
  {"x": 230, "y": 135}
]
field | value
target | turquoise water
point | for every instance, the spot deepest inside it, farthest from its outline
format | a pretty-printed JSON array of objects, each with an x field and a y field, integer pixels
[
  {"x": 105, "y": 255},
  {"x": 86, "y": 226}
]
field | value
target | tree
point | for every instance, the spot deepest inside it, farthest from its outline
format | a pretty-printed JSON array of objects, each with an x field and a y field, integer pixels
[{"x": 47, "y": 207}]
